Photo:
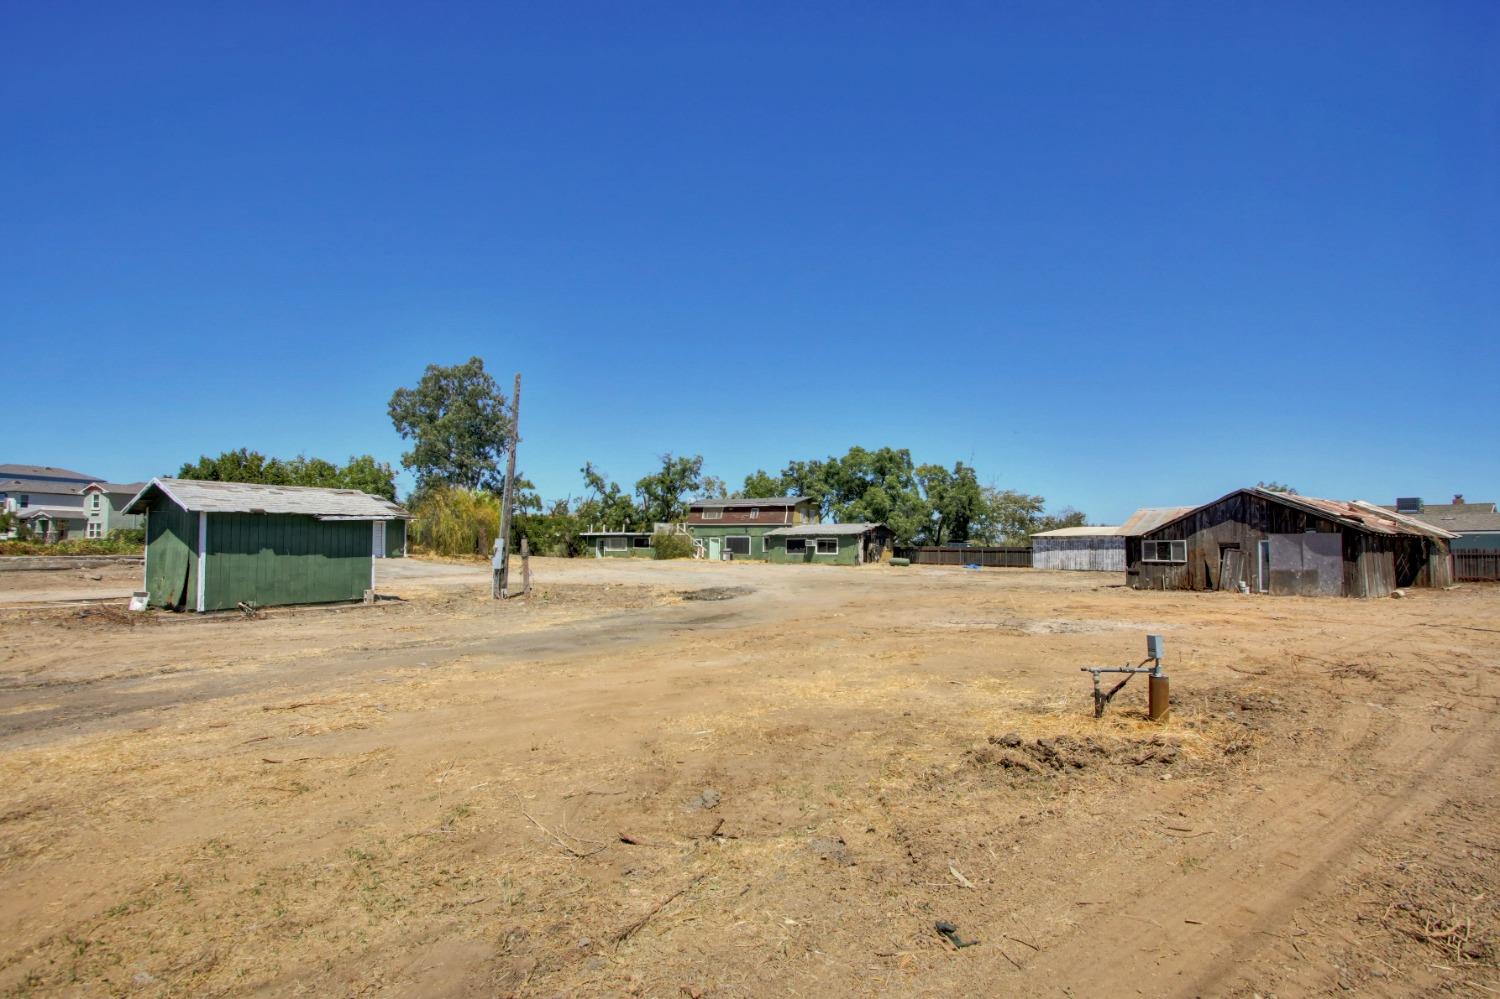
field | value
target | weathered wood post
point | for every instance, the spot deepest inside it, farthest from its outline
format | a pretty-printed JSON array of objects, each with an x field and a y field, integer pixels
[{"x": 525, "y": 567}]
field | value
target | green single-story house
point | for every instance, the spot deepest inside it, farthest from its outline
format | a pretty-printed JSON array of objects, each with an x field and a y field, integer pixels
[
  {"x": 829, "y": 544},
  {"x": 214, "y": 545},
  {"x": 619, "y": 544}
]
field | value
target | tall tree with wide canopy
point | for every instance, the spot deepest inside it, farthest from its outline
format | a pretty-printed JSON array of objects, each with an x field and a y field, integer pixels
[
  {"x": 458, "y": 423},
  {"x": 663, "y": 494}
]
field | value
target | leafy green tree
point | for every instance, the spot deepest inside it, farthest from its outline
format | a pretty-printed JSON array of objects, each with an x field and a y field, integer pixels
[
  {"x": 607, "y": 506},
  {"x": 362, "y": 472},
  {"x": 760, "y": 485},
  {"x": 669, "y": 544},
  {"x": 1008, "y": 517},
  {"x": 457, "y": 421},
  {"x": 1276, "y": 487},
  {"x": 1066, "y": 517},
  {"x": 712, "y": 487},
  {"x": 955, "y": 499},
  {"x": 663, "y": 494}
]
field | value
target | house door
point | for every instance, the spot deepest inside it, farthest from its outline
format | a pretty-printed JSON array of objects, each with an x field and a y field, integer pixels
[
  {"x": 1263, "y": 577},
  {"x": 714, "y": 553}
]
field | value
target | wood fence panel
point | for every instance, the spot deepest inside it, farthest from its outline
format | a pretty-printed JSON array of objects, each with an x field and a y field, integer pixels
[
  {"x": 1475, "y": 564},
  {"x": 991, "y": 556}
]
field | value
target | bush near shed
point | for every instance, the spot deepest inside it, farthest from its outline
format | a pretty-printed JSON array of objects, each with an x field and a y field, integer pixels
[{"x": 666, "y": 544}]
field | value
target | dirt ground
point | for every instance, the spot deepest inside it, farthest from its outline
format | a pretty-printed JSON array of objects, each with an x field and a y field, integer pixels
[{"x": 669, "y": 779}]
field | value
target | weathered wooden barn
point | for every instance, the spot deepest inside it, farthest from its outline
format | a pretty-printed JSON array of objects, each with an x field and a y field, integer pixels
[
  {"x": 1096, "y": 548},
  {"x": 1270, "y": 542},
  {"x": 213, "y": 545}
]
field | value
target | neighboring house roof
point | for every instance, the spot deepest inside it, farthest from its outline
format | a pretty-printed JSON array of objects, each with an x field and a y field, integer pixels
[
  {"x": 247, "y": 497},
  {"x": 115, "y": 488},
  {"x": 1460, "y": 518},
  {"x": 615, "y": 534},
  {"x": 21, "y": 484},
  {"x": 1357, "y": 514},
  {"x": 42, "y": 471},
  {"x": 51, "y": 512},
  {"x": 1093, "y": 531},
  {"x": 820, "y": 530},
  {"x": 1439, "y": 508},
  {"x": 752, "y": 501},
  {"x": 1149, "y": 518}
]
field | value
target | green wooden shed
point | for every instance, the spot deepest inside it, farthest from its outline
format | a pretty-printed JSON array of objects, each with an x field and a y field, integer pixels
[{"x": 214, "y": 545}]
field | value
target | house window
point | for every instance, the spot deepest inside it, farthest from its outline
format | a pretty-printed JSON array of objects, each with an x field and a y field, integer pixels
[
  {"x": 716, "y": 514},
  {"x": 828, "y": 546},
  {"x": 94, "y": 501},
  {"x": 739, "y": 544},
  {"x": 755, "y": 513},
  {"x": 796, "y": 546},
  {"x": 25, "y": 501},
  {"x": 614, "y": 544},
  {"x": 640, "y": 542},
  {"x": 1163, "y": 551},
  {"x": 93, "y": 529}
]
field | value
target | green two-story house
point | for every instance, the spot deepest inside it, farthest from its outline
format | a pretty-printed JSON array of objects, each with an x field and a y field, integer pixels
[{"x": 736, "y": 527}]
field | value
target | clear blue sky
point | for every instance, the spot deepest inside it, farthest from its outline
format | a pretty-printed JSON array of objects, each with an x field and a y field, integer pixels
[{"x": 1117, "y": 254}]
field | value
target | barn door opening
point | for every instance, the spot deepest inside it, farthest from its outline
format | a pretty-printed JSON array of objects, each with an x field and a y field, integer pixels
[
  {"x": 1231, "y": 567},
  {"x": 1263, "y": 578},
  {"x": 377, "y": 538}
]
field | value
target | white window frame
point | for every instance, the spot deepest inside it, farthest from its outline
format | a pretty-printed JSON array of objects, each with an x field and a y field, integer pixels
[
  {"x": 749, "y": 545},
  {"x": 616, "y": 544},
  {"x": 640, "y": 542},
  {"x": 717, "y": 513},
  {"x": 820, "y": 542},
  {"x": 93, "y": 529},
  {"x": 1172, "y": 550},
  {"x": 796, "y": 541},
  {"x": 94, "y": 501},
  {"x": 755, "y": 513}
]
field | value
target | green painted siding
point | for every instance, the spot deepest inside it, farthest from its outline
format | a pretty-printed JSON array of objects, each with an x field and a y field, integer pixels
[
  {"x": 848, "y": 553},
  {"x": 285, "y": 559},
  {"x": 395, "y": 538},
  {"x": 630, "y": 551},
  {"x": 172, "y": 556},
  {"x": 755, "y": 532},
  {"x": 1480, "y": 540}
]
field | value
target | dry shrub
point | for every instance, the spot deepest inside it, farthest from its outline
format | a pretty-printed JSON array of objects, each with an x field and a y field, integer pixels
[{"x": 452, "y": 521}]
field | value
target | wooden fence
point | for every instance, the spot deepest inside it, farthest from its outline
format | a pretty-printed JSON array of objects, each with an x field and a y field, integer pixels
[
  {"x": 1476, "y": 564},
  {"x": 996, "y": 556}
]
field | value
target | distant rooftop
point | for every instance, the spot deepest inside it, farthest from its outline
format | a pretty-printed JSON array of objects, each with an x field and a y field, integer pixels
[
  {"x": 751, "y": 501},
  {"x": 45, "y": 472}
]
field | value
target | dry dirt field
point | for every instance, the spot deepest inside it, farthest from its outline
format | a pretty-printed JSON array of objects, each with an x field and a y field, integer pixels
[{"x": 617, "y": 788}]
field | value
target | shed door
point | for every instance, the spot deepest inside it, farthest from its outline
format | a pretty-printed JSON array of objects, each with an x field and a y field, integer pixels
[{"x": 377, "y": 538}]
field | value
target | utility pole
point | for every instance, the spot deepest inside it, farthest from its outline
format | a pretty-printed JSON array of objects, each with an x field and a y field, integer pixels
[{"x": 501, "y": 561}]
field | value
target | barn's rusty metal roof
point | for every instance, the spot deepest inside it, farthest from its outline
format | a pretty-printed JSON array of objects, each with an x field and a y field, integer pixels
[
  {"x": 1357, "y": 514},
  {"x": 1149, "y": 518},
  {"x": 200, "y": 496}
]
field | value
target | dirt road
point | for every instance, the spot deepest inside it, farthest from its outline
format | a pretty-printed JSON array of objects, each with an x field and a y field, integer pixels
[{"x": 616, "y": 787}]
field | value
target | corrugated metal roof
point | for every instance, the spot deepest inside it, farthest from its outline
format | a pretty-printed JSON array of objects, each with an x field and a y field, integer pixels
[
  {"x": 1353, "y": 513},
  {"x": 751, "y": 501},
  {"x": 1092, "y": 531},
  {"x": 1149, "y": 518},
  {"x": 821, "y": 530},
  {"x": 249, "y": 497}
]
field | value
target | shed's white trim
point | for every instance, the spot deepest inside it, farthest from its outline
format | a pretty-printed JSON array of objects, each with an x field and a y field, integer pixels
[{"x": 202, "y": 550}]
